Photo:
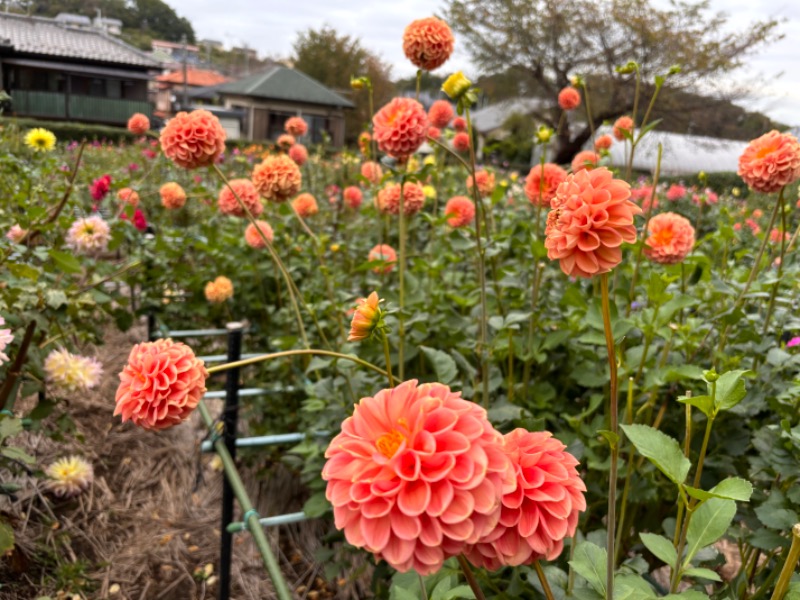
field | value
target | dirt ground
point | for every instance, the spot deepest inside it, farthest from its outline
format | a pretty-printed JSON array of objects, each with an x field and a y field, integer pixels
[{"x": 149, "y": 526}]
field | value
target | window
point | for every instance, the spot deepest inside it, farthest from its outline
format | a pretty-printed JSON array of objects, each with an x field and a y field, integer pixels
[
  {"x": 318, "y": 128},
  {"x": 114, "y": 88},
  {"x": 276, "y": 122}
]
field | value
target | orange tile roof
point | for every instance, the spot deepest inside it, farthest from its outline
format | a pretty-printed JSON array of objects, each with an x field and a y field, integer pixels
[{"x": 195, "y": 77}]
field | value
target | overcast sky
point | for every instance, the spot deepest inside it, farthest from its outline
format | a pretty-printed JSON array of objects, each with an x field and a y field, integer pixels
[{"x": 271, "y": 27}]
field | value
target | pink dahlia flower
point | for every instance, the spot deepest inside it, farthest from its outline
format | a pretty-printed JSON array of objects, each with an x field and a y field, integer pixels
[
  {"x": 286, "y": 140},
  {"x": 252, "y": 237},
  {"x": 400, "y": 127},
  {"x": 296, "y": 126},
  {"x": 89, "y": 234},
  {"x": 460, "y": 211},
  {"x": 100, "y": 187},
  {"x": 16, "y": 233},
  {"x": 540, "y": 191},
  {"x": 603, "y": 142},
  {"x": 385, "y": 253},
  {"x": 247, "y": 193},
  {"x": 372, "y": 172},
  {"x": 428, "y": 43},
  {"x": 415, "y": 475},
  {"x": 353, "y": 197},
  {"x": 676, "y": 192},
  {"x": 621, "y": 125},
  {"x": 299, "y": 154},
  {"x": 671, "y": 238},
  {"x": 440, "y": 114},
  {"x": 277, "y": 178},
  {"x": 193, "y": 140},
  {"x": 461, "y": 141},
  {"x": 591, "y": 217},
  {"x": 161, "y": 384},
  {"x": 586, "y": 159},
  {"x": 541, "y": 511},
  {"x": 388, "y": 199},
  {"x": 138, "y": 124},
  {"x": 770, "y": 162},
  {"x": 460, "y": 124},
  {"x": 569, "y": 98},
  {"x": 485, "y": 181}
]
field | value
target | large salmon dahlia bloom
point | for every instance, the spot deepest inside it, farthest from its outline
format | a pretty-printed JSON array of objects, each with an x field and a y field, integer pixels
[
  {"x": 591, "y": 216},
  {"x": 277, "y": 178},
  {"x": 161, "y": 384},
  {"x": 770, "y": 162},
  {"x": 415, "y": 475},
  {"x": 193, "y": 140},
  {"x": 541, "y": 511},
  {"x": 542, "y": 192},
  {"x": 428, "y": 43},
  {"x": 671, "y": 238},
  {"x": 388, "y": 200},
  {"x": 247, "y": 193},
  {"x": 400, "y": 127},
  {"x": 460, "y": 211}
]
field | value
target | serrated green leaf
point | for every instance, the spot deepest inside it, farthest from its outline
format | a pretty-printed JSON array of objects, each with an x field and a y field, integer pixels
[
  {"x": 589, "y": 561},
  {"x": 442, "y": 363},
  {"x": 661, "y": 547},
  {"x": 317, "y": 505},
  {"x": 704, "y": 403},
  {"x": 732, "y": 488},
  {"x": 55, "y": 298},
  {"x": 66, "y": 262},
  {"x": 709, "y": 523},
  {"x": 730, "y": 389},
  {"x": 660, "y": 449},
  {"x": 702, "y": 573},
  {"x": 776, "y": 518},
  {"x": 9, "y": 426}
]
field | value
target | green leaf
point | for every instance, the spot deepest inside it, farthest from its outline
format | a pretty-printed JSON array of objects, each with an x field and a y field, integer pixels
[
  {"x": 704, "y": 403},
  {"x": 611, "y": 437},
  {"x": 55, "y": 298},
  {"x": 6, "y": 538},
  {"x": 730, "y": 389},
  {"x": 23, "y": 270},
  {"x": 660, "y": 449},
  {"x": 732, "y": 488},
  {"x": 709, "y": 523},
  {"x": 590, "y": 562},
  {"x": 442, "y": 363},
  {"x": 67, "y": 262},
  {"x": 661, "y": 547},
  {"x": 317, "y": 505},
  {"x": 690, "y": 595},
  {"x": 776, "y": 518},
  {"x": 9, "y": 426},
  {"x": 460, "y": 592},
  {"x": 702, "y": 574},
  {"x": 15, "y": 453}
]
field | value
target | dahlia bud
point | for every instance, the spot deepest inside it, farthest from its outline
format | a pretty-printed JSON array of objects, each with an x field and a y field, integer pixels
[
  {"x": 359, "y": 83},
  {"x": 577, "y": 81},
  {"x": 456, "y": 85},
  {"x": 544, "y": 134},
  {"x": 628, "y": 68},
  {"x": 367, "y": 318}
]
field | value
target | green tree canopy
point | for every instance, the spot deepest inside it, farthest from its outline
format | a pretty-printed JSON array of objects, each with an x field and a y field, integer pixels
[{"x": 546, "y": 41}]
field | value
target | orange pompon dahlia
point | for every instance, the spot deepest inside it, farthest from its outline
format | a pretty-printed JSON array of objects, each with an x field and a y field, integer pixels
[
  {"x": 388, "y": 200},
  {"x": 246, "y": 192},
  {"x": 400, "y": 127},
  {"x": 569, "y": 98},
  {"x": 539, "y": 192},
  {"x": 385, "y": 253},
  {"x": 366, "y": 318},
  {"x": 219, "y": 290},
  {"x": 591, "y": 216},
  {"x": 254, "y": 239},
  {"x": 671, "y": 238},
  {"x": 305, "y": 205},
  {"x": 353, "y": 197},
  {"x": 461, "y": 141},
  {"x": 770, "y": 162},
  {"x": 428, "y": 43},
  {"x": 296, "y": 126},
  {"x": 621, "y": 125},
  {"x": 364, "y": 139},
  {"x": 460, "y": 211},
  {"x": 460, "y": 124},
  {"x": 603, "y": 142},
  {"x": 541, "y": 511},
  {"x": 138, "y": 124},
  {"x": 440, "y": 114},
  {"x": 286, "y": 141},
  {"x": 416, "y": 475},
  {"x": 485, "y": 181},
  {"x": 128, "y": 196},
  {"x": 585, "y": 159},
  {"x": 193, "y": 140},
  {"x": 277, "y": 178},
  {"x": 161, "y": 385},
  {"x": 434, "y": 133},
  {"x": 172, "y": 195},
  {"x": 299, "y": 154},
  {"x": 372, "y": 172}
]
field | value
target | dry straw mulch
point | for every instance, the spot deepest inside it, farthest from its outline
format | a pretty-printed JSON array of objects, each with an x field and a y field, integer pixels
[{"x": 148, "y": 528}]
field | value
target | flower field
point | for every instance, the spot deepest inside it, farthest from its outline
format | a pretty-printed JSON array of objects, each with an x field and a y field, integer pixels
[{"x": 579, "y": 382}]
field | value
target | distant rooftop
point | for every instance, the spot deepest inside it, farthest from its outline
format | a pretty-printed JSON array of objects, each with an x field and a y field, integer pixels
[
  {"x": 282, "y": 83},
  {"x": 492, "y": 117},
  {"x": 194, "y": 77},
  {"x": 51, "y": 37}
]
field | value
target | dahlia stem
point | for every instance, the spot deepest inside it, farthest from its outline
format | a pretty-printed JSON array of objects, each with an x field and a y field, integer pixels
[
  {"x": 629, "y": 169},
  {"x": 470, "y": 576},
  {"x": 548, "y": 593},
  {"x": 308, "y": 352},
  {"x": 401, "y": 328},
  {"x": 640, "y": 249},
  {"x": 777, "y": 284},
  {"x": 388, "y": 356},
  {"x": 255, "y": 528},
  {"x": 589, "y": 117},
  {"x": 613, "y": 441},
  {"x": 483, "y": 338},
  {"x": 7, "y": 399},
  {"x": 789, "y": 566},
  {"x": 626, "y": 488}
]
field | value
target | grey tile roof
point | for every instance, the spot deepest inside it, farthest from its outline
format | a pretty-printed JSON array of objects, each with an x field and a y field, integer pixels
[
  {"x": 46, "y": 37},
  {"x": 282, "y": 83}
]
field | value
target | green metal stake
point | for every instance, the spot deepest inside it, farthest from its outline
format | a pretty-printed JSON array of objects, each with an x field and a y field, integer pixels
[{"x": 256, "y": 530}]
